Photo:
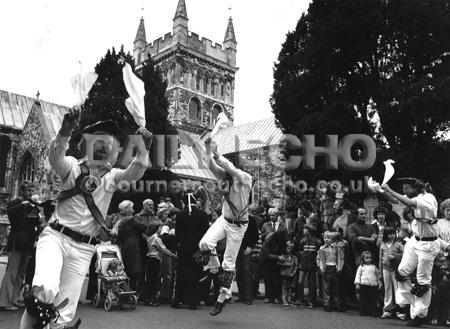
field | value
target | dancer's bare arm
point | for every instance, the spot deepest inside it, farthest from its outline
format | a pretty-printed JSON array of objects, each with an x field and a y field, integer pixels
[
  {"x": 225, "y": 164},
  {"x": 58, "y": 146},
  {"x": 139, "y": 165}
]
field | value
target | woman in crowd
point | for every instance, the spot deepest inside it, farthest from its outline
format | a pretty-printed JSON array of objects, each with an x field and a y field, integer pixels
[{"x": 130, "y": 230}]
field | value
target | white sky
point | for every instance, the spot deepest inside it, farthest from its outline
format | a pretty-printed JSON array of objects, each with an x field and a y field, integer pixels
[{"x": 43, "y": 41}]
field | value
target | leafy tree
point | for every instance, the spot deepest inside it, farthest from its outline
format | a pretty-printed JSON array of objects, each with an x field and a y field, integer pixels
[{"x": 378, "y": 67}]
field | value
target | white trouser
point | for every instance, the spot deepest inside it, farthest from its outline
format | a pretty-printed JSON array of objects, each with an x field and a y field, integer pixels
[
  {"x": 233, "y": 234},
  {"x": 61, "y": 267},
  {"x": 390, "y": 286},
  {"x": 420, "y": 255}
]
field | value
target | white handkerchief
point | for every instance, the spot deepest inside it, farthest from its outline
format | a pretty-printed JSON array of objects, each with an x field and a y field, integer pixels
[{"x": 136, "y": 91}]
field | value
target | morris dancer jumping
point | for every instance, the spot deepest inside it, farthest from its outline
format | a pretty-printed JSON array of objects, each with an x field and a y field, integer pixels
[
  {"x": 66, "y": 246},
  {"x": 420, "y": 250},
  {"x": 233, "y": 222}
]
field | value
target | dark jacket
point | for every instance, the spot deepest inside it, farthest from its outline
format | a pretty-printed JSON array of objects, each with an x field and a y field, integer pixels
[
  {"x": 24, "y": 222},
  {"x": 273, "y": 247},
  {"x": 189, "y": 230},
  {"x": 251, "y": 234},
  {"x": 267, "y": 228},
  {"x": 129, "y": 238}
]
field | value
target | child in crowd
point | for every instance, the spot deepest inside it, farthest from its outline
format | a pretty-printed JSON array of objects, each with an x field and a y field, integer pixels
[
  {"x": 367, "y": 283},
  {"x": 155, "y": 250},
  {"x": 391, "y": 252},
  {"x": 440, "y": 300},
  {"x": 117, "y": 276},
  {"x": 331, "y": 261},
  {"x": 288, "y": 268},
  {"x": 345, "y": 280},
  {"x": 307, "y": 251}
]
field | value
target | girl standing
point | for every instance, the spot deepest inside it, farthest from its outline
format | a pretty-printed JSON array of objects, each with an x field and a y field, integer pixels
[
  {"x": 391, "y": 252},
  {"x": 288, "y": 268},
  {"x": 367, "y": 284}
]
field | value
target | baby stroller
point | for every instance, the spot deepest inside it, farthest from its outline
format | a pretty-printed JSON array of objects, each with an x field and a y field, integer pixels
[{"x": 108, "y": 294}]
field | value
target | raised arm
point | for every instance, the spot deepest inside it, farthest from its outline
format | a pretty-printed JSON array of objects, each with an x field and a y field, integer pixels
[
  {"x": 220, "y": 166},
  {"x": 58, "y": 146},
  {"x": 403, "y": 199},
  {"x": 140, "y": 163}
]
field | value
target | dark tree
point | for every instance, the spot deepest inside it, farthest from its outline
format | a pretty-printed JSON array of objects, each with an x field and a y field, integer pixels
[
  {"x": 107, "y": 99},
  {"x": 376, "y": 67},
  {"x": 156, "y": 104}
]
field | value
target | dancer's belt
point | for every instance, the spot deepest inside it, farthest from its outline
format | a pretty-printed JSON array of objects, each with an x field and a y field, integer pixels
[
  {"x": 418, "y": 238},
  {"x": 78, "y": 237},
  {"x": 235, "y": 221}
]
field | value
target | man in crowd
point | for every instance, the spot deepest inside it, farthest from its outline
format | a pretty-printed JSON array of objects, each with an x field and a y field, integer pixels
[
  {"x": 190, "y": 226},
  {"x": 168, "y": 263},
  {"x": 361, "y": 236},
  {"x": 66, "y": 246},
  {"x": 244, "y": 270},
  {"x": 147, "y": 215},
  {"x": 23, "y": 216},
  {"x": 273, "y": 225}
]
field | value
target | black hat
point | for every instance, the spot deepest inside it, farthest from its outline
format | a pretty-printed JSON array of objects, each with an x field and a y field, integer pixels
[
  {"x": 412, "y": 181},
  {"x": 109, "y": 126}
]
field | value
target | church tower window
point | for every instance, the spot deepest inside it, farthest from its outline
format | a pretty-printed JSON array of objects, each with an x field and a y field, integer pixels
[
  {"x": 214, "y": 114},
  {"x": 197, "y": 82},
  {"x": 205, "y": 85},
  {"x": 195, "y": 112}
]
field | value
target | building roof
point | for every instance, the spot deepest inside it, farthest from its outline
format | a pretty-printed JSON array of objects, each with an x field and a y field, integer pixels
[
  {"x": 248, "y": 136},
  {"x": 14, "y": 110},
  {"x": 191, "y": 165}
]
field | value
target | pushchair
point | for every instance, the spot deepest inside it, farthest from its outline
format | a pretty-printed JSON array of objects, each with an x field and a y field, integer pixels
[{"x": 108, "y": 292}]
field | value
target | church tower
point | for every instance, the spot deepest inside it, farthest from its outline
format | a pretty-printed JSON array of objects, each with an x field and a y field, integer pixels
[{"x": 200, "y": 74}]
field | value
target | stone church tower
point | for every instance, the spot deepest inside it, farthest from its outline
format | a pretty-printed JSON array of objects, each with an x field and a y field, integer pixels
[{"x": 200, "y": 74}]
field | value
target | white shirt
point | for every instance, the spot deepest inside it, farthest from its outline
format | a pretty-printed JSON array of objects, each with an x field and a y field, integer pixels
[
  {"x": 239, "y": 190},
  {"x": 426, "y": 208},
  {"x": 74, "y": 212},
  {"x": 443, "y": 227}
]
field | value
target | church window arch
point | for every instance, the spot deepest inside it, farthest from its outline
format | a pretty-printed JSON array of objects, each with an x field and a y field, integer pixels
[
  {"x": 205, "y": 85},
  {"x": 206, "y": 113},
  {"x": 216, "y": 110},
  {"x": 197, "y": 81},
  {"x": 27, "y": 170},
  {"x": 195, "y": 110}
]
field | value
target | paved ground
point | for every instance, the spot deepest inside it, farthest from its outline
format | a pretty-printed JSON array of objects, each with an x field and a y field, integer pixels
[{"x": 234, "y": 316}]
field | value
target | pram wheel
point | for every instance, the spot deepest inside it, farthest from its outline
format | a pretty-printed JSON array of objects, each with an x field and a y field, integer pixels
[
  {"x": 133, "y": 301},
  {"x": 108, "y": 303},
  {"x": 96, "y": 301}
]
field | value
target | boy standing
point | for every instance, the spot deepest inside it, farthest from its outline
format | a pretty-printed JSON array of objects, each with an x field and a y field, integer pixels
[{"x": 331, "y": 261}]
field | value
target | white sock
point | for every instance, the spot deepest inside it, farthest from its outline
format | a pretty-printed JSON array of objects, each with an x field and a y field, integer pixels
[{"x": 222, "y": 297}]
